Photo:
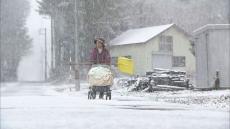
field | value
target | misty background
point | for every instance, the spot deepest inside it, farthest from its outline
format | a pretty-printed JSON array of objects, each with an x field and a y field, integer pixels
[{"x": 73, "y": 24}]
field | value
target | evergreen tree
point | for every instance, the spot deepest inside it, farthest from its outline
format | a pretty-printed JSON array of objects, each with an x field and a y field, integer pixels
[{"x": 14, "y": 41}]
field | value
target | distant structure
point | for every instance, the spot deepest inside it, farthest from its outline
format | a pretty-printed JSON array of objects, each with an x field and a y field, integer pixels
[
  {"x": 212, "y": 43},
  {"x": 165, "y": 46}
]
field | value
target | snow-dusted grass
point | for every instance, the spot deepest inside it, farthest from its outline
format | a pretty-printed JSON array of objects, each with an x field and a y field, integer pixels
[{"x": 215, "y": 99}]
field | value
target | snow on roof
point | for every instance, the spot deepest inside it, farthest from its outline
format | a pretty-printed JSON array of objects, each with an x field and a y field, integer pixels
[
  {"x": 140, "y": 35},
  {"x": 211, "y": 26}
]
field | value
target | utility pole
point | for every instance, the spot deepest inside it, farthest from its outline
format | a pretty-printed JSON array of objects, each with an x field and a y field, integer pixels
[
  {"x": 45, "y": 55},
  {"x": 52, "y": 42},
  {"x": 45, "y": 51},
  {"x": 45, "y": 46},
  {"x": 0, "y": 39},
  {"x": 76, "y": 39}
]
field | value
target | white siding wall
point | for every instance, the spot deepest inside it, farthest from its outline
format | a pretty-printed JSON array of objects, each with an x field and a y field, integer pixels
[
  {"x": 151, "y": 47},
  {"x": 213, "y": 54},
  {"x": 201, "y": 61},
  {"x": 136, "y": 51},
  {"x": 181, "y": 47}
]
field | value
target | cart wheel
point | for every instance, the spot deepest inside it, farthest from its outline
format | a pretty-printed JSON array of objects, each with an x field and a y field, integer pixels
[
  {"x": 101, "y": 94},
  {"x": 89, "y": 95},
  {"x": 108, "y": 95},
  {"x": 93, "y": 95}
]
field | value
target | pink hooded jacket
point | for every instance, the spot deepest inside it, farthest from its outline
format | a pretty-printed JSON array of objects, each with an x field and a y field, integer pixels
[{"x": 100, "y": 58}]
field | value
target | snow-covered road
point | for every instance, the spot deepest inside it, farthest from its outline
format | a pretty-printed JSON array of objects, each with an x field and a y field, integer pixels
[{"x": 39, "y": 106}]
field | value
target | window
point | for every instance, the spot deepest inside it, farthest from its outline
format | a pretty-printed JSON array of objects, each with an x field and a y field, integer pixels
[
  {"x": 178, "y": 61},
  {"x": 166, "y": 43}
]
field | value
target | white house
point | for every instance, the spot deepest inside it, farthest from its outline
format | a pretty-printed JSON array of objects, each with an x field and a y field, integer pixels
[{"x": 164, "y": 46}]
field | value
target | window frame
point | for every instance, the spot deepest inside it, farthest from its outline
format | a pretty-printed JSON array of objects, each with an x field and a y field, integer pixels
[
  {"x": 166, "y": 43},
  {"x": 178, "y": 60}
]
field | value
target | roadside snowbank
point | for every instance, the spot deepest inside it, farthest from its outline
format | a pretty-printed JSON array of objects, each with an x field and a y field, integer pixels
[
  {"x": 219, "y": 99},
  {"x": 215, "y": 99}
]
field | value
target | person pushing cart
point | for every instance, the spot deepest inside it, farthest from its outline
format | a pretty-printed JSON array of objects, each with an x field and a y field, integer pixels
[{"x": 100, "y": 76}]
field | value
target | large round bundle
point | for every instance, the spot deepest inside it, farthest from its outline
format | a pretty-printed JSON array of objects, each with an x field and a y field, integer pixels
[{"x": 100, "y": 76}]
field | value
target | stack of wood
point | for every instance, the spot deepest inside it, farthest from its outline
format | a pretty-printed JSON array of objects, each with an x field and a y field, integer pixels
[
  {"x": 169, "y": 77},
  {"x": 159, "y": 80}
]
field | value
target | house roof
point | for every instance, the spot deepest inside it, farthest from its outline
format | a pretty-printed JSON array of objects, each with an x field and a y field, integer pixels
[
  {"x": 211, "y": 26},
  {"x": 140, "y": 35}
]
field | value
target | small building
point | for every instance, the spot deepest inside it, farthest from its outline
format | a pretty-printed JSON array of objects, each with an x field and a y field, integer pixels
[
  {"x": 213, "y": 55},
  {"x": 164, "y": 46}
]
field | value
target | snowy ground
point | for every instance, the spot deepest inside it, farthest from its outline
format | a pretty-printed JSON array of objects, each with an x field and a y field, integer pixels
[
  {"x": 42, "y": 106},
  {"x": 215, "y": 99}
]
